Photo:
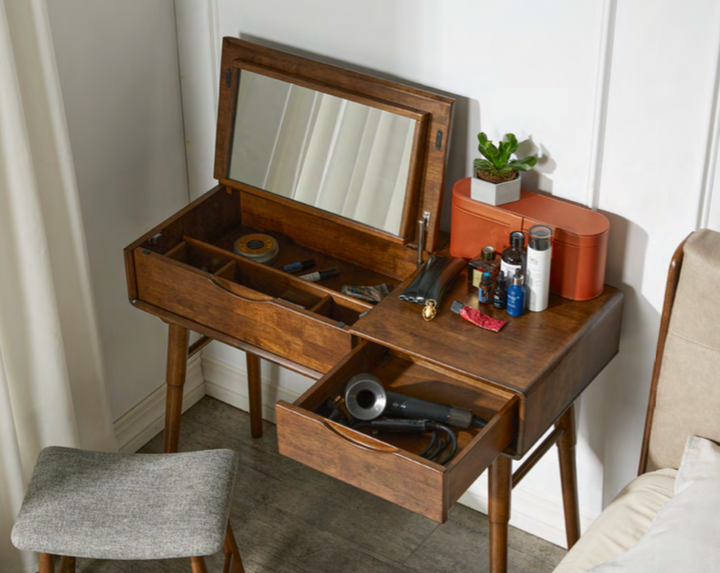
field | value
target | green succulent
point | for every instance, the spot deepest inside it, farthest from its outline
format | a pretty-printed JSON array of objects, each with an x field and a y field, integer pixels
[{"x": 497, "y": 161}]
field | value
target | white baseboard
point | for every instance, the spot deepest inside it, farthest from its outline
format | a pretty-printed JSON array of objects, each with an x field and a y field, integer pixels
[
  {"x": 531, "y": 511},
  {"x": 228, "y": 384},
  {"x": 136, "y": 428}
]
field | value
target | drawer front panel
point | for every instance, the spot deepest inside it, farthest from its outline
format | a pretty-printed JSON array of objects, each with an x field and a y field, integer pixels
[
  {"x": 386, "y": 468},
  {"x": 359, "y": 460},
  {"x": 240, "y": 312}
]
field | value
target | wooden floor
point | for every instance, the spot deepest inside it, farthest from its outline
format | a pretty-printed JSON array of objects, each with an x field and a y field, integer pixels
[{"x": 292, "y": 519}]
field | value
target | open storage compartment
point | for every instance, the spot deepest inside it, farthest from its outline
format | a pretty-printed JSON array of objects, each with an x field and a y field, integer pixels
[
  {"x": 187, "y": 266},
  {"x": 388, "y": 464},
  {"x": 336, "y": 166}
]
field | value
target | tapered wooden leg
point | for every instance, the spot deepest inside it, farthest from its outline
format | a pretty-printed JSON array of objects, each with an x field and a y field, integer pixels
[
  {"x": 255, "y": 394},
  {"x": 233, "y": 562},
  {"x": 568, "y": 475},
  {"x": 47, "y": 563},
  {"x": 175, "y": 377},
  {"x": 198, "y": 565},
  {"x": 67, "y": 564},
  {"x": 500, "y": 488}
]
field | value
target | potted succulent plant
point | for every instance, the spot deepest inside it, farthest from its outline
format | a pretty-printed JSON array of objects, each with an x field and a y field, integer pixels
[{"x": 496, "y": 179}]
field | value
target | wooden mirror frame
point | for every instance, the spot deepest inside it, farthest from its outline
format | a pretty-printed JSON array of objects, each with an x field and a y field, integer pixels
[{"x": 430, "y": 146}]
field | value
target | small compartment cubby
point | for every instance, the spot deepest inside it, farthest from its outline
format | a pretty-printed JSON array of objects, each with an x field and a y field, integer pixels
[
  {"x": 187, "y": 266},
  {"x": 388, "y": 464},
  {"x": 197, "y": 257}
]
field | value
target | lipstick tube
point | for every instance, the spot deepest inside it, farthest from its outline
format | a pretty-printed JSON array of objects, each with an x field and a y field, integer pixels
[{"x": 476, "y": 317}]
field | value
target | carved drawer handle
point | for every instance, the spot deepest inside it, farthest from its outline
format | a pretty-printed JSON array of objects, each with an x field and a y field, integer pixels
[
  {"x": 259, "y": 298},
  {"x": 353, "y": 439}
]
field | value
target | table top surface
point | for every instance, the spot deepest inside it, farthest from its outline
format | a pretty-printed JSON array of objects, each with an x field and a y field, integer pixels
[{"x": 525, "y": 351}]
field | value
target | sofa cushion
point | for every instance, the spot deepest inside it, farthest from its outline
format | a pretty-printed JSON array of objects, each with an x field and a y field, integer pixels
[
  {"x": 623, "y": 523},
  {"x": 685, "y": 532}
]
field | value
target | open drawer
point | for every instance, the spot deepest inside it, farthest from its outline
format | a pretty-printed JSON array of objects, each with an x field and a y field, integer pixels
[
  {"x": 249, "y": 301},
  {"x": 388, "y": 464}
]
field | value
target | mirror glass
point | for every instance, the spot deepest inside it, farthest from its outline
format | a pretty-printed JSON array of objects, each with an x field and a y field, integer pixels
[{"x": 340, "y": 156}]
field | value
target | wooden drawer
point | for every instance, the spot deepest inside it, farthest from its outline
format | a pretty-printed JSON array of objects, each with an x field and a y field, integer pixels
[
  {"x": 249, "y": 301},
  {"x": 388, "y": 465}
]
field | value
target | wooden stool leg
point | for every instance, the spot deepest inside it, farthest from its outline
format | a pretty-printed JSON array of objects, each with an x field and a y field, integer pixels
[
  {"x": 500, "y": 488},
  {"x": 233, "y": 562},
  {"x": 175, "y": 377},
  {"x": 67, "y": 564},
  {"x": 198, "y": 565},
  {"x": 47, "y": 563},
  {"x": 255, "y": 394},
  {"x": 568, "y": 475}
]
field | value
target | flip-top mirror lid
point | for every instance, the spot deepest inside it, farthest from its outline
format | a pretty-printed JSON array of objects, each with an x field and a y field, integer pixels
[{"x": 432, "y": 112}]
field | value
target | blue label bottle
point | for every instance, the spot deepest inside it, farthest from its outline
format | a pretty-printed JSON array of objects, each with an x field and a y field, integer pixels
[
  {"x": 516, "y": 295},
  {"x": 485, "y": 289}
]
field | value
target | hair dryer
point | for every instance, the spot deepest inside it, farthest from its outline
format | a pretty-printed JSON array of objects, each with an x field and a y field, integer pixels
[{"x": 366, "y": 399}]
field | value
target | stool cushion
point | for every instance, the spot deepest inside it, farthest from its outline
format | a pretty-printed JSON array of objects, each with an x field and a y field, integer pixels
[{"x": 115, "y": 506}]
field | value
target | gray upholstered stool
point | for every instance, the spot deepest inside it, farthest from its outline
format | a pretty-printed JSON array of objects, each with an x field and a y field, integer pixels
[{"x": 138, "y": 506}]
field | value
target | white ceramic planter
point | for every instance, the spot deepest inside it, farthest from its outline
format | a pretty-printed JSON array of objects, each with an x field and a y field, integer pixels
[{"x": 495, "y": 193}]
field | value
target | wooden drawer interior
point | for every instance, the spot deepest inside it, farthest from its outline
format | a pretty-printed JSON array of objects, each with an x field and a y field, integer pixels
[
  {"x": 389, "y": 464},
  {"x": 219, "y": 218},
  {"x": 251, "y": 302},
  {"x": 268, "y": 281}
]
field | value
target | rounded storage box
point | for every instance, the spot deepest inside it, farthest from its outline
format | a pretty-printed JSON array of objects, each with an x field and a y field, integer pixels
[{"x": 579, "y": 245}]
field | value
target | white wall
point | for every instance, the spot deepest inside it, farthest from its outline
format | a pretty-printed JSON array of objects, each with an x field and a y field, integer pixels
[
  {"x": 118, "y": 70},
  {"x": 619, "y": 100}
]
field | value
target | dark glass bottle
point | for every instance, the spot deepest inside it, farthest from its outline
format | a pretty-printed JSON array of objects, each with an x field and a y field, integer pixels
[
  {"x": 513, "y": 258},
  {"x": 499, "y": 293}
]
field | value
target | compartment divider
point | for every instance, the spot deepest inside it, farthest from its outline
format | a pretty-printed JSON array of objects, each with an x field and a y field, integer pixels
[
  {"x": 298, "y": 283},
  {"x": 176, "y": 252},
  {"x": 322, "y": 305},
  {"x": 226, "y": 270}
]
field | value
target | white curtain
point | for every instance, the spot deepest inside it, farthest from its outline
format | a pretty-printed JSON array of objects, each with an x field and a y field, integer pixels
[{"x": 51, "y": 375}]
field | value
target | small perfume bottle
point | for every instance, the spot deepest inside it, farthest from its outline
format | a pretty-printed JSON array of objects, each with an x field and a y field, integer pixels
[
  {"x": 485, "y": 262},
  {"x": 485, "y": 290}
]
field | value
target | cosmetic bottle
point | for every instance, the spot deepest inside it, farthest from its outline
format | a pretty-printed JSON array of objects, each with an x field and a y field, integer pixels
[
  {"x": 485, "y": 290},
  {"x": 516, "y": 295},
  {"x": 485, "y": 262},
  {"x": 513, "y": 258},
  {"x": 537, "y": 273},
  {"x": 499, "y": 299}
]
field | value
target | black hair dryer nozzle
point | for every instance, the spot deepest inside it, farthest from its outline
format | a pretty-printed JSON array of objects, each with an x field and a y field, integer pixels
[{"x": 366, "y": 399}]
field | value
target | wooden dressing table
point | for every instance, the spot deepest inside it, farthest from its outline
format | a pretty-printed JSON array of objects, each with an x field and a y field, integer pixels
[{"x": 372, "y": 212}]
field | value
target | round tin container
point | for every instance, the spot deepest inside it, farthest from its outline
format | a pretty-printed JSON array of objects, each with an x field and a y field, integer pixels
[{"x": 257, "y": 247}]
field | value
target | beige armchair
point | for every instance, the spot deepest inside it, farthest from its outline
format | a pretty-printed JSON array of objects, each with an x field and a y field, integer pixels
[{"x": 684, "y": 401}]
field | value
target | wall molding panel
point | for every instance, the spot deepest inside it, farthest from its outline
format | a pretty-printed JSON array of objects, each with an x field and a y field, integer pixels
[
  {"x": 602, "y": 89},
  {"x": 709, "y": 210},
  {"x": 199, "y": 55}
]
